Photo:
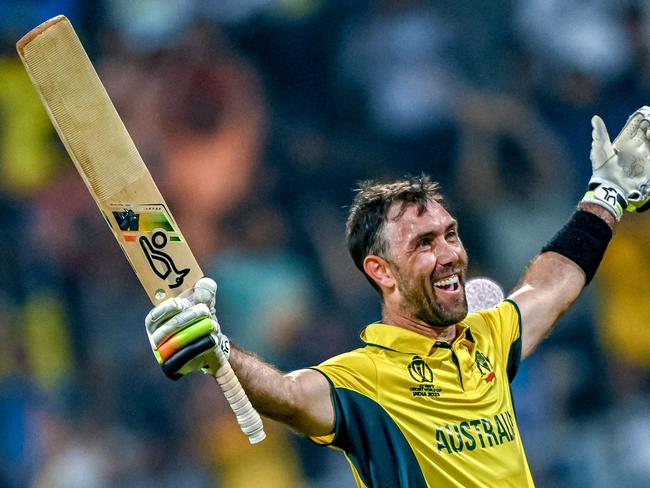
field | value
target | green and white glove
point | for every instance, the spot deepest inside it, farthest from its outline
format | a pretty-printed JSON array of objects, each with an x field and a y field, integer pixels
[
  {"x": 621, "y": 170},
  {"x": 184, "y": 332}
]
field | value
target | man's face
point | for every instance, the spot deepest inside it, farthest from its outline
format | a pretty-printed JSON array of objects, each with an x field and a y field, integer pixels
[{"x": 429, "y": 263}]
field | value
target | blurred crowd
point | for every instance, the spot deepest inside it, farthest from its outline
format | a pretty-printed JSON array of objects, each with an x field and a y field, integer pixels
[{"x": 257, "y": 118}]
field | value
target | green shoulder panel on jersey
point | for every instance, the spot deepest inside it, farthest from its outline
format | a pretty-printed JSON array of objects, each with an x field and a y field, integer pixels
[
  {"x": 373, "y": 442},
  {"x": 514, "y": 355}
]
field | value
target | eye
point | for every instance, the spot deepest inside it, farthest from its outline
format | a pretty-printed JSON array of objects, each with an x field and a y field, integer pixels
[
  {"x": 452, "y": 235},
  {"x": 424, "y": 242}
]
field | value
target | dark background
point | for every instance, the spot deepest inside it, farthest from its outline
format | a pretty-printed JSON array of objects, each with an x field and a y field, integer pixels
[{"x": 258, "y": 118}]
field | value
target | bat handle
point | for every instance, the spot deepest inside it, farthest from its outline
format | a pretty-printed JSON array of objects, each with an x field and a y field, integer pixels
[{"x": 247, "y": 417}]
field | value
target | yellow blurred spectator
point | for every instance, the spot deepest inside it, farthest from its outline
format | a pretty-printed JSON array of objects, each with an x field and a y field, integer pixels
[
  {"x": 47, "y": 341},
  {"x": 27, "y": 151},
  {"x": 624, "y": 290}
]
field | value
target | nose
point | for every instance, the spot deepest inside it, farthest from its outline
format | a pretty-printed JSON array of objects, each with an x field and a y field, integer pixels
[{"x": 448, "y": 253}]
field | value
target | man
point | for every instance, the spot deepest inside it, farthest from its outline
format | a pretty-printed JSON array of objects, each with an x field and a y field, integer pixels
[{"x": 426, "y": 401}]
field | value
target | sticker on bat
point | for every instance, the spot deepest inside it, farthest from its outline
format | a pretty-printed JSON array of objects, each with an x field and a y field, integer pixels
[
  {"x": 162, "y": 263},
  {"x": 127, "y": 220},
  {"x": 142, "y": 218}
]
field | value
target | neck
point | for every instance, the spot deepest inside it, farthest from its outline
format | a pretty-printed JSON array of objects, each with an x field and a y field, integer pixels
[{"x": 444, "y": 334}]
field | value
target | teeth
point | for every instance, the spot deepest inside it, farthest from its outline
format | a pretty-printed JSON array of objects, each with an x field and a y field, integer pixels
[{"x": 453, "y": 279}]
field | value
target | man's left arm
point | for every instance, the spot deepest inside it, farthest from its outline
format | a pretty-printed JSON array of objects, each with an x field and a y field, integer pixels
[
  {"x": 550, "y": 285},
  {"x": 620, "y": 181}
]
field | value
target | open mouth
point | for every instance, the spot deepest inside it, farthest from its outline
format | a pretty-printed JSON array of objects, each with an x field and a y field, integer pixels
[{"x": 450, "y": 283}]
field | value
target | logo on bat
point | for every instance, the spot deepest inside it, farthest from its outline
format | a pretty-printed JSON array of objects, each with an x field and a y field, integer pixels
[
  {"x": 127, "y": 220},
  {"x": 162, "y": 263}
]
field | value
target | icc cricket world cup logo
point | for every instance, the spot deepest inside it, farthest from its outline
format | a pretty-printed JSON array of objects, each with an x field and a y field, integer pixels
[{"x": 420, "y": 370}]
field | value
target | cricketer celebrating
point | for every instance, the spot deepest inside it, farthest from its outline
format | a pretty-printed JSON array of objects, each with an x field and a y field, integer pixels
[{"x": 426, "y": 401}]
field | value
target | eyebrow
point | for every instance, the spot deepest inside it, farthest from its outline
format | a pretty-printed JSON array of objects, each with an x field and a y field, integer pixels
[{"x": 452, "y": 225}]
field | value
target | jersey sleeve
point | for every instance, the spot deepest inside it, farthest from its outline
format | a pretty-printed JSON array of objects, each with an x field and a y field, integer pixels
[
  {"x": 351, "y": 372},
  {"x": 504, "y": 322}
]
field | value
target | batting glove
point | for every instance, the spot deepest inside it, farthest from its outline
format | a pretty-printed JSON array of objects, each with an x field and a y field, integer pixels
[
  {"x": 621, "y": 171},
  {"x": 185, "y": 335}
]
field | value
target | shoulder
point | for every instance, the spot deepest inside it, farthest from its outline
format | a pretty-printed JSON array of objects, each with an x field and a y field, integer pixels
[
  {"x": 499, "y": 328},
  {"x": 354, "y": 370},
  {"x": 505, "y": 314}
]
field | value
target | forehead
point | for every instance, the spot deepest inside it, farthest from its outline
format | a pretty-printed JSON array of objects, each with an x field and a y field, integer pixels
[{"x": 404, "y": 223}]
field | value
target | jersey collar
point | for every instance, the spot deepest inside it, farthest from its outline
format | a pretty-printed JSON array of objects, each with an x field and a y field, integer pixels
[{"x": 402, "y": 340}]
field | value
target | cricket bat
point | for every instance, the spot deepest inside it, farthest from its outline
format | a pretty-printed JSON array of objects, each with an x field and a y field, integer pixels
[{"x": 111, "y": 167}]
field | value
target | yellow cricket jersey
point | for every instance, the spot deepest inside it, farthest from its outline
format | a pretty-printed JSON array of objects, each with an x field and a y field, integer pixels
[{"x": 413, "y": 412}]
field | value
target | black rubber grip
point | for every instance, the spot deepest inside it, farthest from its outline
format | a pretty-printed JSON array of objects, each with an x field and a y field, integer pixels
[{"x": 176, "y": 361}]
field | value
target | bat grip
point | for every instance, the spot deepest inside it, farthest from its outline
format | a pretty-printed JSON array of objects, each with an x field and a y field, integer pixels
[{"x": 247, "y": 417}]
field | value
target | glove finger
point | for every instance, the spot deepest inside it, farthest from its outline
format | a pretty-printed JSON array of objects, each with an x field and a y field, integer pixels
[
  {"x": 163, "y": 311},
  {"x": 599, "y": 130},
  {"x": 205, "y": 291},
  {"x": 631, "y": 129},
  {"x": 601, "y": 146},
  {"x": 179, "y": 322},
  {"x": 186, "y": 336}
]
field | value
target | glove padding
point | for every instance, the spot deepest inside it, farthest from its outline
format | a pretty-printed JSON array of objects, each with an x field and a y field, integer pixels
[
  {"x": 184, "y": 332},
  {"x": 621, "y": 171}
]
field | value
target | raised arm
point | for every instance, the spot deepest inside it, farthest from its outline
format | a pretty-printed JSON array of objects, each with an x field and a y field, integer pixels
[
  {"x": 185, "y": 336},
  {"x": 620, "y": 181},
  {"x": 550, "y": 285},
  {"x": 300, "y": 399}
]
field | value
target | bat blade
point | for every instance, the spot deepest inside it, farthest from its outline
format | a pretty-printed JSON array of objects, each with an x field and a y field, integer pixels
[
  {"x": 107, "y": 159},
  {"x": 117, "y": 178}
]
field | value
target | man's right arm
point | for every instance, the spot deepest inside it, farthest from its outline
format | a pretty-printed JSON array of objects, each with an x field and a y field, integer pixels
[
  {"x": 185, "y": 335},
  {"x": 300, "y": 399}
]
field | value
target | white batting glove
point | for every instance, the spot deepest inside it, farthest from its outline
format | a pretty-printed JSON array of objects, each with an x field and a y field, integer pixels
[
  {"x": 185, "y": 335},
  {"x": 621, "y": 171}
]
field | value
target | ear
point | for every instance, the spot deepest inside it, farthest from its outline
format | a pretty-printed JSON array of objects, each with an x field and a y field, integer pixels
[{"x": 378, "y": 269}]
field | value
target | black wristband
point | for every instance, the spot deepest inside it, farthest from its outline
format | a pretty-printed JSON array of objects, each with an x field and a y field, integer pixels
[{"x": 583, "y": 240}]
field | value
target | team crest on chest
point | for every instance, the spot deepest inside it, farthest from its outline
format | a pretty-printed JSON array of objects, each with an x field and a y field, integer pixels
[
  {"x": 423, "y": 374},
  {"x": 484, "y": 366}
]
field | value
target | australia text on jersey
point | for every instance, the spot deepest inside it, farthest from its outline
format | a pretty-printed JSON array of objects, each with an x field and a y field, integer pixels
[{"x": 477, "y": 433}]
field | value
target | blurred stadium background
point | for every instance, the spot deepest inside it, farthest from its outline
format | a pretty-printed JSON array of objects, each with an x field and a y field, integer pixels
[{"x": 257, "y": 117}]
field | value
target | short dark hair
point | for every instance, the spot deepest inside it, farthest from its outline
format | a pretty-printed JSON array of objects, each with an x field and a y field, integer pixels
[{"x": 369, "y": 213}]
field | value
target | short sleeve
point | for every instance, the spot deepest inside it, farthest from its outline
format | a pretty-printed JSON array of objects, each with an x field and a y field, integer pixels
[
  {"x": 504, "y": 322},
  {"x": 353, "y": 371}
]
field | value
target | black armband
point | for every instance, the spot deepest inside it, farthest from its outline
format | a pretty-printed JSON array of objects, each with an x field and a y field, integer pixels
[{"x": 583, "y": 240}]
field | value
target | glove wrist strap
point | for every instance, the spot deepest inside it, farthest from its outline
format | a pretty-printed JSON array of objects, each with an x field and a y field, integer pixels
[{"x": 607, "y": 195}]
